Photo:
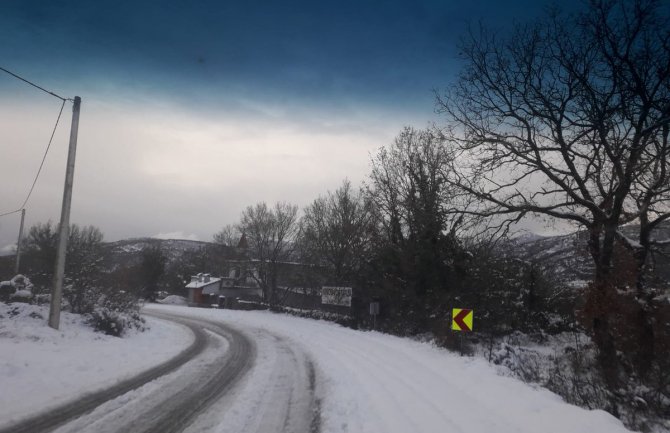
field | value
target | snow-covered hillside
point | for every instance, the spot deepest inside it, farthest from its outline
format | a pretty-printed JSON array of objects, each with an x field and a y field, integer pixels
[{"x": 565, "y": 258}]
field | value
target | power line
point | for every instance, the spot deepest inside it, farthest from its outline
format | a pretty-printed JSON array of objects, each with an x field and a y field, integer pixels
[
  {"x": 34, "y": 85},
  {"x": 10, "y": 213},
  {"x": 39, "y": 170},
  {"x": 46, "y": 151}
]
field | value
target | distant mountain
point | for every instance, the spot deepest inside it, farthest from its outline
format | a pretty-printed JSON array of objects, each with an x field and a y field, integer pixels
[
  {"x": 128, "y": 252},
  {"x": 566, "y": 259}
]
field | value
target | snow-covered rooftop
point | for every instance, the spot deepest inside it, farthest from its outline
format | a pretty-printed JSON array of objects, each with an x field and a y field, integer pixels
[{"x": 202, "y": 280}]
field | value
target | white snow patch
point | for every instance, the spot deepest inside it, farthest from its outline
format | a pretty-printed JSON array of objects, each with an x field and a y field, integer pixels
[
  {"x": 127, "y": 413},
  {"x": 173, "y": 300},
  {"x": 176, "y": 235},
  {"x": 8, "y": 249}
]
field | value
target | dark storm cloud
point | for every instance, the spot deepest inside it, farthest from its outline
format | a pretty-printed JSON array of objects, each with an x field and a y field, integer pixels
[{"x": 381, "y": 52}]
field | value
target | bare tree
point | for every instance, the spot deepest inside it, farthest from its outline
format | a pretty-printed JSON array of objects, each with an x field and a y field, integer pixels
[
  {"x": 651, "y": 194},
  {"x": 568, "y": 118},
  {"x": 336, "y": 230},
  {"x": 271, "y": 234},
  {"x": 83, "y": 266},
  {"x": 229, "y": 236}
]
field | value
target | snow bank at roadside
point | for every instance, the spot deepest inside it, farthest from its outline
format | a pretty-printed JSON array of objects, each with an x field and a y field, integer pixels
[
  {"x": 41, "y": 367},
  {"x": 372, "y": 382},
  {"x": 173, "y": 300}
]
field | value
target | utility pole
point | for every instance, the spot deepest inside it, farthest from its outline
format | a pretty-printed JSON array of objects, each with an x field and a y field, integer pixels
[
  {"x": 18, "y": 243},
  {"x": 64, "y": 226}
]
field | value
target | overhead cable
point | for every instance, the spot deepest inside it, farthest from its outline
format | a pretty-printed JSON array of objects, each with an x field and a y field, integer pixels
[
  {"x": 39, "y": 170},
  {"x": 34, "y": 85}
]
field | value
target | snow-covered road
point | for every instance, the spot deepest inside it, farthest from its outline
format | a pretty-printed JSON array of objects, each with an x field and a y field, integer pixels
[
  {"x": 372, "y": 382},
  {"x": 298, "y": 375},
  {"x": 208, "y": 388},
  {"x": 42, "y": 368}
]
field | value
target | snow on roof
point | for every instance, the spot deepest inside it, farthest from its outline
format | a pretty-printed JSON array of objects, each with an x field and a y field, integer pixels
[{"x": 202, "y": 281}]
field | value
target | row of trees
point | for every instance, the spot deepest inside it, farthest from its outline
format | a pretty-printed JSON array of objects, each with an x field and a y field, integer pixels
[
  {"x": 395, "y": 238},
  {"x": 86, "y": 278}
]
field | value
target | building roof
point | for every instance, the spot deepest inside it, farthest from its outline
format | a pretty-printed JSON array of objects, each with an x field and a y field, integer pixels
[
  {"x": 199, "y": 284},
  {"x": 202, "y": 280}
]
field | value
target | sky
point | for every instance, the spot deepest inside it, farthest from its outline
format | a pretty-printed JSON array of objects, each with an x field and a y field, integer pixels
[{"x": 193, "y": 110}]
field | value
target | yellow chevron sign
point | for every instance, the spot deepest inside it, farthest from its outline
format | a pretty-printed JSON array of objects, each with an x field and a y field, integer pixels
[{"x": 461, "y": 319}]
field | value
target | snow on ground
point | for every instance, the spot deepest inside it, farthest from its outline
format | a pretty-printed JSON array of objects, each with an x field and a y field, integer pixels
[
  {"x": 372, "y": 382},
  {"x": 41, "y": 367},
  {"x": 173, "y": 300},
  {"x": 128, "y": 412}
]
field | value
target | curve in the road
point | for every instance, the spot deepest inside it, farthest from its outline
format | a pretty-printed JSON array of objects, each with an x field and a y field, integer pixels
[
  {"x": 288, "y": 402},
  {"x": 179, "y": 411},
  {"x": 59, "y": 415}
]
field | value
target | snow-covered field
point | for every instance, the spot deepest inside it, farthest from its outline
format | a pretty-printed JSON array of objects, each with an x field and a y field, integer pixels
[
  {"x": 41, "y": 367},
  {"x": 372, "y": 382}
]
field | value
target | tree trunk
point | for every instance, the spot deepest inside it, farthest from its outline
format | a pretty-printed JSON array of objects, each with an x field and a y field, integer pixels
[{"x": 601, "y": 300}]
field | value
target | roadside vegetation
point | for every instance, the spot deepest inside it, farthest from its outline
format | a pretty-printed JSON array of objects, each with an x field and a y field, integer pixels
[{"x": 87, "y": 290}]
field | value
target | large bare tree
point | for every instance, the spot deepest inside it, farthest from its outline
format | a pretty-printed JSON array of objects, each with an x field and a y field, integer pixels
[{"x": 568, "y": 118}]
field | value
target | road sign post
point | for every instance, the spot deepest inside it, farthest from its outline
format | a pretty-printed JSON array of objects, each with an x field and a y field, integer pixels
[
  {"x": 374, "y": 312},
  {"x": 461, "y": 320}
]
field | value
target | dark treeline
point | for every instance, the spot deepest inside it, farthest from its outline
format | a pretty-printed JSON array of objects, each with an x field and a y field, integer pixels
[{"x": 398, "y": 240}]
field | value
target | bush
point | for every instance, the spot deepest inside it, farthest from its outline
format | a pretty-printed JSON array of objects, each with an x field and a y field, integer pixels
[{"x": 114, "y": 322}]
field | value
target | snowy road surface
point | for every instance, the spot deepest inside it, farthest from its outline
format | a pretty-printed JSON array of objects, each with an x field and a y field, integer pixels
[
  {"x": 41, "y": 368},
  {"x": 368, "y": 382},
  {"x": 261, "y": 372},
  {"x": 193, "y": 396}
]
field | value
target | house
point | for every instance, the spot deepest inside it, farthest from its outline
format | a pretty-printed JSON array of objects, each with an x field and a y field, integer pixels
[
  {"x": 207, "y": 290},
  {"x": 204, "y": 289},
  {"x": 297, "y": 285}
]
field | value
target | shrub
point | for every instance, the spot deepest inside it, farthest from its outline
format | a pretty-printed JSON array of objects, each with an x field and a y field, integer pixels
[{"x": 115, "y": 322}]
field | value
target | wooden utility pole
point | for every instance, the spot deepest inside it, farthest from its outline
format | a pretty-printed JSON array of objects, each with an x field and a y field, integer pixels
[
  {"x": 64, "y": 226},
  {"x": 18, "y": 243}
]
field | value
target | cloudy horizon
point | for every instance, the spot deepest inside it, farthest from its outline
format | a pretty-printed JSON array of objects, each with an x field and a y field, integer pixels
[{"x": 190, "y": 113}]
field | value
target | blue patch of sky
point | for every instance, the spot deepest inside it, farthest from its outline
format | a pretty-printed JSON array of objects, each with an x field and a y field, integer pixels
[{"x": 292, "y": 51}]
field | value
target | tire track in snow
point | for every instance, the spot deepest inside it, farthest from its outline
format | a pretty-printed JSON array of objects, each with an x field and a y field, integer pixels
[
  {"x": 57, "y": 416},
  {"x": 288, "y": 404},
  {"x": 278, "y": 394},
  {"x": 179, "y": 411},
  {"x": 189, "y": 385}
]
